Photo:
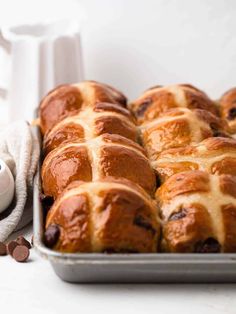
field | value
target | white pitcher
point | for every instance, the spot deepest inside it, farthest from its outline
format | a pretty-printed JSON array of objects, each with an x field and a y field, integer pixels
[{"x": 42, "y": 56}]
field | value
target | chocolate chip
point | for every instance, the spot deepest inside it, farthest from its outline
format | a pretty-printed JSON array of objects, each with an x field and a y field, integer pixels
[
  {"x": 3, "y": 249},
  {"x": 220, "y": 134},
  {"x": 216, "y": 132},
  {"x": 179, "y": 215},
  {"x": 11, "y": 246},
  {"x": 158, "y": 180},
  {"x": 215, "y": 129},
  {"x": 143, "y": 223},
  {"x": 122, "y": 100},
  {"x": 22, "y": 241},
  {"x": 128, "y": 251},
  {"x": 113, "y": 251},
  {"x": 232, "y": 113},
  {"x": 109, "y": 251},
  {"x": 210, "y": 245},
  {"x": 47, "y": 202},
  {"x": 20, "y": 253},
  {"x": 143, "y": 107},
  {"x": 51, "y": 235}
]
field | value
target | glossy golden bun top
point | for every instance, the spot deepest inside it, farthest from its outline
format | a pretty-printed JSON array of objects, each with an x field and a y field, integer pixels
[
  {"x": 199, "y": 212},
  {"x": 103, "y": 156},
  {"x": 68, "y": 100},
  {"x": 111, "y": 215},
  {"x": 157, "y": 100}
]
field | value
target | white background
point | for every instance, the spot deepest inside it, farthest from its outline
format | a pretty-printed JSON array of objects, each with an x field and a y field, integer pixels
[
  {"x": 131, "y": 45},
  {"x": 137, "y": 44},
  {"x": 134, "y": 44}
]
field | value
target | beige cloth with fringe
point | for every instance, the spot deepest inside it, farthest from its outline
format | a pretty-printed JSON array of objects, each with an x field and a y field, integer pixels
[{"x": 19, "y": 148}]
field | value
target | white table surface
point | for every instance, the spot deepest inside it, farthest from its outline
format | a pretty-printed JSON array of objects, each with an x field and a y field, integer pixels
[{"x": 34, "y": 288}]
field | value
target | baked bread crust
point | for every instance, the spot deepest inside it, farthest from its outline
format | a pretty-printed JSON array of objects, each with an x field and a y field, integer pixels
[
  {"x": 91, "y": 122},
  {"x": 228, "y": 108},
  {"x": 180, "y": 127},
  {"x": 68, "y": 100},
  {"x": 215, "y": 155},
  {"x": 198, "y": 212},
  {"x": 105, "y": 216},
  {"x": 103, "y": 156},
  {"x": 157, "y": 100}
]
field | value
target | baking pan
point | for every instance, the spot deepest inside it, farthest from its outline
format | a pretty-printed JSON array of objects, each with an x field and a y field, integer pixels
[{"x": 130, "y": 268}]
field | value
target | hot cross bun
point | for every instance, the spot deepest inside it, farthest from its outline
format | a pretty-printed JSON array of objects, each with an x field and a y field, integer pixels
[
  {"x": 180, "y": 127},
  {"x": 152, "y": 103},
  {"x": 215, "y": 155},
  {"x": 106, "y": 155},
  {"x": 103, "y": 216},
  {"x": 198, "y": 212},
  {"x": 91, "y": 122},
  {"x": 228, "y": 108},
  {"x": 67, "y": 100}
]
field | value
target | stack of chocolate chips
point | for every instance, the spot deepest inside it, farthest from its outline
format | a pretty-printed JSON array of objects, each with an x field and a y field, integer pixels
[{"x": 18, "y": 249}]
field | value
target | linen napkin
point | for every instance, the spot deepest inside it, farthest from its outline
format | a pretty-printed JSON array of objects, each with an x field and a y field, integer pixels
[{"x": 19, "y": 148}]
